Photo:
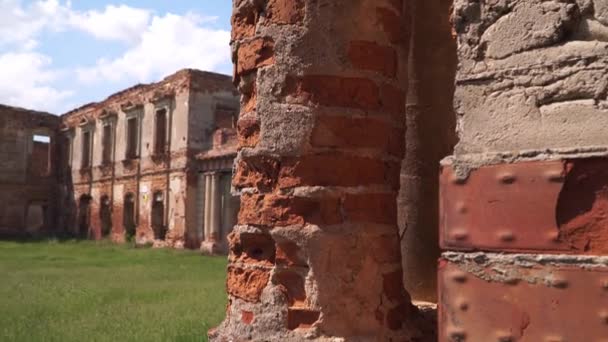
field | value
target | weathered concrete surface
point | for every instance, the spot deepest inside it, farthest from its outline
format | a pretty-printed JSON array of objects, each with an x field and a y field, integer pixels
[
  {"x": 532, "y": 75},
  {"x": 28, "y": 171},
  {"x": 321, "y": 131}
]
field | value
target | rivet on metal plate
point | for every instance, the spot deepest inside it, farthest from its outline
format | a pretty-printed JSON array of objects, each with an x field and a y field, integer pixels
[
  {"x": 459, "y": 234},
  {"x": 458, "y": 277},
  {"x": 553, "y": 236},
  {"x": 604, "y": 316},
  {"x": 461, "y": 208},
  {"x": 511, "y": 281},
  {"x": 463, "y": 305},
  {"x": 559, "y": 283},
  {"x": 507, "y": 178},
  {"x": 458, "y": 181},
  {"x": 555, "y": 176},
  {"x": 457, "y": 334},
  {"x": 506, "y": 236},
  {"x": 505, "y": 337}
]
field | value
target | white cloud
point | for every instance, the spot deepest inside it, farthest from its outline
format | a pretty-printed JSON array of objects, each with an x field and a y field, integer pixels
[
  {"x": 20, "y": 23},
  {"x": 121, "y": 23},
  {"x": 155, "y": 46},
  {"x": 169, "y": 43},
  {"x": 26, "y": 80}
]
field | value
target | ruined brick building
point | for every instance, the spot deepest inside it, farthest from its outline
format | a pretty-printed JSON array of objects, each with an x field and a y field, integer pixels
[
  {"x": 152, "y": 163},
  {"x": 347, "y": 109}
]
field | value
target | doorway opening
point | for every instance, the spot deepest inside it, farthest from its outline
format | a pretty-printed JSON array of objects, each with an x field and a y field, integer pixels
[
  {"x": 105, "y": 216},
  {"x": 84, "y": 215},
  {"x": 129, "y": 215},
  {"x": 158, "y": 216}
]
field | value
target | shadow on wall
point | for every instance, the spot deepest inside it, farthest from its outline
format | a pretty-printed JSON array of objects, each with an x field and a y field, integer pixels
[{"x": 430, "y": 136}]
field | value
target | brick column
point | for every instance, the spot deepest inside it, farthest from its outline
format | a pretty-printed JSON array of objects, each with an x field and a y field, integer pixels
[
  {"x": 315, "y": 253},
  {"x": 523, "y": 199}
]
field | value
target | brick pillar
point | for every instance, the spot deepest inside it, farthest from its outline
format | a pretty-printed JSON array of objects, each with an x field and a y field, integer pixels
[
  {"x": 524, "y": 197},
  {"x": 316, "y": 250}
]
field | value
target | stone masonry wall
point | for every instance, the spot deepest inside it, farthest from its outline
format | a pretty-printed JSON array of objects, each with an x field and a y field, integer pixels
[
  {"x": 523, "y": 198},
  {"x": 27, "y": 183},
  {"x": 321, "y": 131}
]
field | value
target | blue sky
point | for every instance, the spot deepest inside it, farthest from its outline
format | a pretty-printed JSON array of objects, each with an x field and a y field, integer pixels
[{"x": 58, "y": 54}]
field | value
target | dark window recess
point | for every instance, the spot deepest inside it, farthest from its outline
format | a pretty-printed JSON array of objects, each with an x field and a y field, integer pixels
[
  {"x": 40, "y": 159},
  {"x": 86, "y": 149},
  {"x": 225, "y": 118},
  {"x": 131, "y": 138},
  {"x": 161, "y": 132},
  {"x": 107, "y": 144}
]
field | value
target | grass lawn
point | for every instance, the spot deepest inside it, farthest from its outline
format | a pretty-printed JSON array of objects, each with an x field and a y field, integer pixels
[{"x": 88, "y": 291}]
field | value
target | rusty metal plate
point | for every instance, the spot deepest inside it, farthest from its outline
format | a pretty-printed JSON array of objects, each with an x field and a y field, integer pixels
[
  {"x": 549, "y": 206},
  {"x": 486, "y": 302}
]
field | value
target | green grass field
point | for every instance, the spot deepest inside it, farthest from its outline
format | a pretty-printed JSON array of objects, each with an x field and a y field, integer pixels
[{"x": 87, "y": 291}]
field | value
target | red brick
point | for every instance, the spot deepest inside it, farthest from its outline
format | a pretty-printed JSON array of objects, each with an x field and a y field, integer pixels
[
  {"x": 247, "y": 317},
  {"x": 334, "y": 169},
  {"x": 372, "y": 56},
  {"x": 277, "y": 210},
  {"x": 392, "y": 283},
  {"x": 294, "y": 285},
  {"x": 376, "y": 208},
  {"x": 395, "y": 26},
  {"x": 256, "y": 171},
  {"x": 289, "y": 254},
  {"x": 398, "y": 315},
  {"x": 301, "y": 318},
  {"x": 248, "y": 131},
  {"x": 244, "y": 20},
  {"x": 335, "y": 91},
  {"x": 393, "y": 98},
  {"x": 254, "y": 54},
  {"x": 252, "y": 248},
  {"x": 247, "y": 284},
  {"x": 285, "y": 11},
  {"x": 347, "y": 132}
]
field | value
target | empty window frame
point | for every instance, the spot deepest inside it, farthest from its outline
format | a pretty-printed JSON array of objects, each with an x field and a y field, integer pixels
[
  {"x": 87, "y": 140},
  {"x": 160, "y": 131},
  {"x": 132, "y": 138},
  {"x": 106, "y": 143},
  {"x": 40, "y": 157}
]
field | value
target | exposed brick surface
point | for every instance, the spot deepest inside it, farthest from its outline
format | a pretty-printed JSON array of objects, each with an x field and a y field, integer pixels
[
  {"x": 253, "y": 54},
  {"x": 246, "y": 284},
  {"x": 334, "y": 169},
  {"x": 248, "y": 131},
  {"x": 277, "y": 210},
  {"x": 301, "y": 318},
  {"x": 346, "y": 132},
  {"x": 320, "y": 142},
  {"x": 285, "y": 12},
  {"x": 374, "y": 57}
]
